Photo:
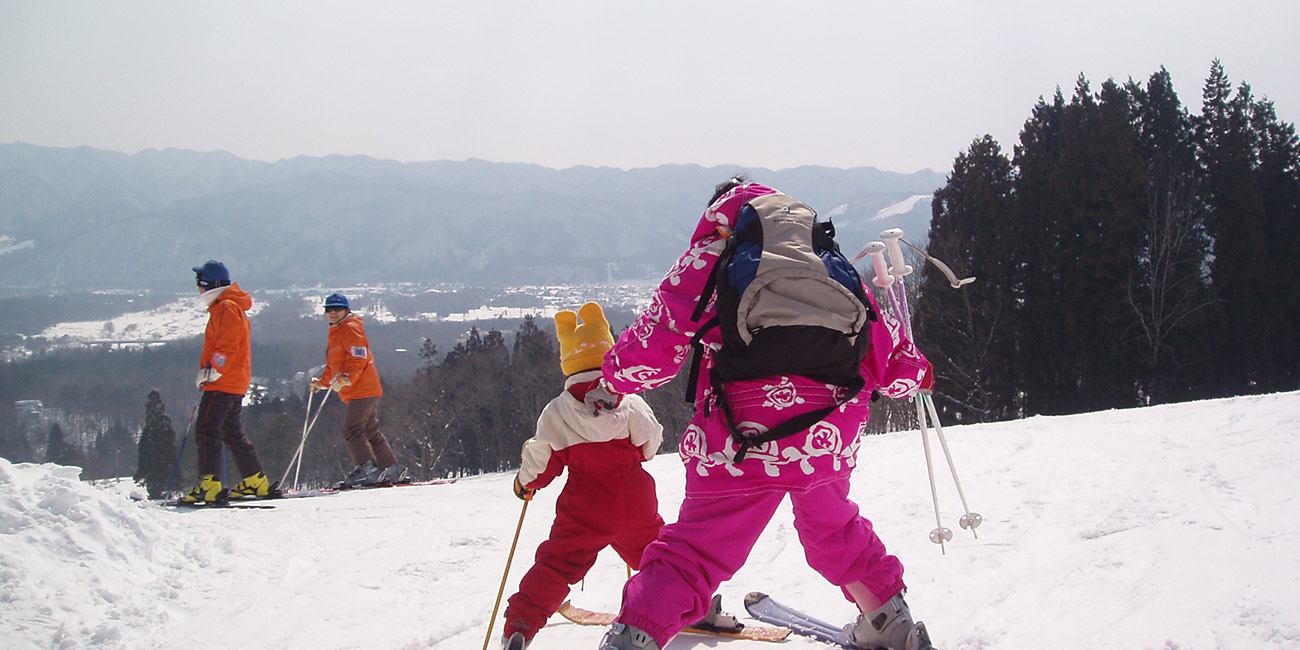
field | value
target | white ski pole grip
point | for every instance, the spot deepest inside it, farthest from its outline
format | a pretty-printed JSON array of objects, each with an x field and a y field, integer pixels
[
  {"x": 897, "y": 268},
  {"x": 877, "y": 252}
]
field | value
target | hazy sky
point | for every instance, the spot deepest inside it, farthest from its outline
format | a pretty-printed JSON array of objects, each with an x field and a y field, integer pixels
[{"x": 902, "y": 85}]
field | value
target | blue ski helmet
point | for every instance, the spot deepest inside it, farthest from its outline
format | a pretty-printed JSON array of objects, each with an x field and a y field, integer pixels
[
  {"x": 337, "y": 300},
  {"x": 211, "y": 275}
]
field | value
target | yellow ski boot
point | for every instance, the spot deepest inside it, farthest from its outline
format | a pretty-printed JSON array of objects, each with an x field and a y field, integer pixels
[
  {"x": 257, "y": 486},
  {"x": 207, "y": 491}
]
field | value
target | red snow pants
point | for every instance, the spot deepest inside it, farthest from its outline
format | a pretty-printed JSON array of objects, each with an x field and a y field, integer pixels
[{"x": 616, "y": 508}]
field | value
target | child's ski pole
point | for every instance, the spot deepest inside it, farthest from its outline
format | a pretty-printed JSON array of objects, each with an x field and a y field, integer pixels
[
  {"x": 500, "y": 590},
  {"x": 891, "y": 280}
]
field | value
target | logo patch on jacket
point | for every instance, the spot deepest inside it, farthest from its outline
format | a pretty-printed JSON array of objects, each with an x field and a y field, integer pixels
[
  {"x": 218, "y": 359},
  {"x": 360, "y": 352}
]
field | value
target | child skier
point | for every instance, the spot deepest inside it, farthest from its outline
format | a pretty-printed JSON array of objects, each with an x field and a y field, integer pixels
[
  {"x": 609, "y": 500},
  {"x": 728, "y": 502}
]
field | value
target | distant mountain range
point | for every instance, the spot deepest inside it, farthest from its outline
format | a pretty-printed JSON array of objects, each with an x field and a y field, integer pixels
[{"x": 82, "y": 218}]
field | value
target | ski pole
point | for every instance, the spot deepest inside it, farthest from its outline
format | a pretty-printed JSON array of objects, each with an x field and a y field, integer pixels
[
  {"x": 302, "y": 441},
  {"x": 306, "y": 430},
  {"x": 940, "y": 534},
  {"x": 970, "y": 520},
  {"x": 899, "y": 270},
  {"x": 509, "y": 558},
  {"x": 925, "y": 399},
  {"x": 184, "y": 439}
]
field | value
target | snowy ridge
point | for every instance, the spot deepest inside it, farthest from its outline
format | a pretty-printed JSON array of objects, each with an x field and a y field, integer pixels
[
  {"x": 902, "y": 207},
  {"x": 9, "y": 244},
  {"x": 1167, "y": 527}
]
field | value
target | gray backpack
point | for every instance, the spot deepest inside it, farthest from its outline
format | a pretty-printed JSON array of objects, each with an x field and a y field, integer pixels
[{"x": 788, "y": 303}]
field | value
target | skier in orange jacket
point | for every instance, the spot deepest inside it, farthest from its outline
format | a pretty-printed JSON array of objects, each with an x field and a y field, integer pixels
[
  {"x": 350, "y": 371},
  {"x": 225, "y": 371}
]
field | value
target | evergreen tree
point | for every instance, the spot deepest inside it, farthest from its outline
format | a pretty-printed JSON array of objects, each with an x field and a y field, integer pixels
[
  {"x": 1278, "y": 170},
  {"x": 535, "y": 376},
  {"x": 114, "y": 451},
  {"x": 1081, "y": 189},
  {"x": 966, "y": 333},
  {"x": 474, "y": 401},
  {"x": 1170, "y": 295},
  {"x": 157, "y": 448},
  {"x": 1250, "y": 166},
  {"x": 57, "y": 449}
]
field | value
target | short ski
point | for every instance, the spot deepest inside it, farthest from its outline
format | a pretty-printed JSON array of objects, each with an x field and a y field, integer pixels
[
  {"x": 762, "y": 607},
  {"x": 751, "y": 632}
]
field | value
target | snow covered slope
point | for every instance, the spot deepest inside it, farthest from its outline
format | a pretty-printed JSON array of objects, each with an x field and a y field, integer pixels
[{"x": 1174, "y": 527}]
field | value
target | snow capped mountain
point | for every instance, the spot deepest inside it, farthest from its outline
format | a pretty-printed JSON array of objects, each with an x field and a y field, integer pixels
[{"x": 78, "y": 217}]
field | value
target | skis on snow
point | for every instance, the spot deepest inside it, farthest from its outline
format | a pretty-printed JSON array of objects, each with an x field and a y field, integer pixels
[
  {"x": 215, "y": 505},
  {"x": 337, "y": 489},
  {"x": 751, "y": 632},
  {"x": 762, "y": 607},
  {"x": 403, "y": 483}
]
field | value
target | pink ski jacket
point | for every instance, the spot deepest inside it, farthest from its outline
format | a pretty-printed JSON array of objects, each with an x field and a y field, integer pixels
[{"x": 650, "y": 352}]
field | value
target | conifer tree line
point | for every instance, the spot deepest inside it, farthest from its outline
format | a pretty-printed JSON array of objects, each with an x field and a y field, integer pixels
[{"x": 1128, "y": 252}]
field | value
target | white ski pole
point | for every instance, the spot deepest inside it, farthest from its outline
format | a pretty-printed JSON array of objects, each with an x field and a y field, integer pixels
[
  {"x": 925, "y": 400},
  {"x": 876, "y": 250},
  {"x": 306, "y": 430},
  {"x": 899, "y": 270},
  {"x": 940, "y": 534},
  {"x": 970, "y": 520}
]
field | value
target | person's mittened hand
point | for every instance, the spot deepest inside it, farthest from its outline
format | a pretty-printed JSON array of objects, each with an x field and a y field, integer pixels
[
  {"x": 315, "y": 386},
  {"x": 339, "y": 382},
  {"x": 927, "y": 382},
  {"x": 522, "y": 492},
  {"x": 600, "y": 397},
  {"x": 206, "y": 375}
]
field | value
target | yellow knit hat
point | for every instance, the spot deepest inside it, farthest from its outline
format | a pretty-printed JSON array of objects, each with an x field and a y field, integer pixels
[{"x": 582, "y": 347}]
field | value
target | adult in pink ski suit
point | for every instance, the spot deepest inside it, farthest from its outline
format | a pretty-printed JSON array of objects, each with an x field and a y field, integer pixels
[{"x": 728, "y": 504}]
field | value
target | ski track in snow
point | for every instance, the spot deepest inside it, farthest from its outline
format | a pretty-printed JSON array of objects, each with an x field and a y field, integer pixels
[{"x": 1168, "y": 528}]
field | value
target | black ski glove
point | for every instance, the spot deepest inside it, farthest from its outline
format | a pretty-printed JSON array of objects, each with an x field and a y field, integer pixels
[{"x": 522, "y": 492}]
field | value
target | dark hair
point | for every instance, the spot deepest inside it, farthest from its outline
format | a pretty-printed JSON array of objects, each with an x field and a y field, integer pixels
[{"x": 728, "y": 185}]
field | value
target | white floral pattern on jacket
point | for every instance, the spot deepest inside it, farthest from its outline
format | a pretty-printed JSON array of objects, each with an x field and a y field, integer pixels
[{"x": 650, "y": 352}]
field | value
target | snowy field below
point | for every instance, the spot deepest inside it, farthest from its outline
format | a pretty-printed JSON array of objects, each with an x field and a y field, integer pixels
[{"x": 1165, "y": 528}]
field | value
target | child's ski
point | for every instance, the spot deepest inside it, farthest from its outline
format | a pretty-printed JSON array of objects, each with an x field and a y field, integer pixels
[
  {"x": 762, "y": 607},
  {"x": 751, "y": 632}
]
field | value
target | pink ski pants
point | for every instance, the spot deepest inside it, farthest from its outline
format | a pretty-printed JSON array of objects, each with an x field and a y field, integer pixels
[{"x": 714, "y": 535}]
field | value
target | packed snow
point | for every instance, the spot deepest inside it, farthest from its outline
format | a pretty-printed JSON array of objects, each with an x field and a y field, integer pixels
[{"x": 1172, "y": 527}]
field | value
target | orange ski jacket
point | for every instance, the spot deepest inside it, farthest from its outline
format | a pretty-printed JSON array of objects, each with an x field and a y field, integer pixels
[
  {"x": 226, "y": 341},
  {"x": 349, "y": 356}
]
